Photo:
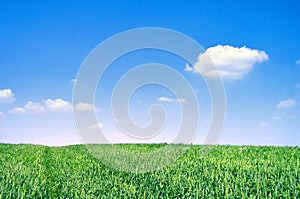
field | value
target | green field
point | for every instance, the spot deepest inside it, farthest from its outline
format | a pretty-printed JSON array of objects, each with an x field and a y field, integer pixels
[{"x": 30, "y": 171}]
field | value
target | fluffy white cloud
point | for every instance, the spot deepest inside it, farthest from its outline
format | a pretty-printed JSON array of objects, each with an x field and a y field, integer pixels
[
  {"x": 166, "y": 99},
  {"x": 34, "y": 107},
  {"x": 6, "y": 95},
  {"x": 48, "y": 105},
  {"x": 286, "y": 104},
  {"x": 51, "y": 105},
  {"x": 57, "y": 105},
  {"x": 230, "y": 62},
  {"x": 81, "y": 106}
]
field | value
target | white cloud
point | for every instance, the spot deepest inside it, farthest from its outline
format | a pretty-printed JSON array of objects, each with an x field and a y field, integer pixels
[
  {"x": 188, "y": 68},
  {"x": 298, "y": 61},
  {"x": 51, "y": 105},
  {"x": 181, "y": 100},
  {"x": 230, "y": 62},
  {"x": 73, "y": 81},
  {"x": 166, "y": 99},
  {"x": 6, "y": 95},
  {"x": 81, "y": 106},
  {"x": 286, "y": 104},
  {"x": 263, "y": 124},
  {"x": 48, "y": 105},
  {"x": 57, "y": 105},
  {"x": 1, "y": 115},
  {"x": 34, "y": 107}
]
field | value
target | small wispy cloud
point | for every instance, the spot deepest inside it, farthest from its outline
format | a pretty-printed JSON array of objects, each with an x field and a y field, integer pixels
[
  {"x": 171, "y": 100},
  {"x": 96, "y": 126},
  {"x": 189, "y": 68},
  {"x": 264, "y": 124},
  {"x": 298, "y": 62},
  {"x": 17, "y": 111},
  {"x": 73, "y": 81},
  {"x": 298, "y": 85},
  {"x": 82, "y": 106},
  {"x": 164, "y": 99},
  {"x": 277, "y": 117},
  {"x": 6, "y": 95},
  {"x": 286, "y": 104}
]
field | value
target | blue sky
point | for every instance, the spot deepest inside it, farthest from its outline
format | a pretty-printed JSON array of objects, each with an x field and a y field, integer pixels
[{"x": 44, "y": 43}]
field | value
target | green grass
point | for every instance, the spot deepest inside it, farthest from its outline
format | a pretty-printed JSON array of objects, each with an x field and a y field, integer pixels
[{"x": 29, "y": 171}]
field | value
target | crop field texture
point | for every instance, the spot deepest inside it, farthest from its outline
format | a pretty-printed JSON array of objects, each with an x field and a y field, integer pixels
[{"x": 30, "y": 171}]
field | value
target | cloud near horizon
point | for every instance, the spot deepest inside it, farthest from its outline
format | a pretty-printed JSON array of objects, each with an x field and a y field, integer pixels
[
  {"x": 48, "y": 105},
  {"x": 51, "y": 105},
  {"x": 6, "y": 95},
  {"x": 228, "y": 61}
]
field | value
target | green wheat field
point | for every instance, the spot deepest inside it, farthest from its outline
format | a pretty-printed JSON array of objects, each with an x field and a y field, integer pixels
[{"x": 32, "y": 171}]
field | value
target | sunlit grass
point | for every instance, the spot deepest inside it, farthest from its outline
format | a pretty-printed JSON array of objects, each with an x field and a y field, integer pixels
[{"x": 29, "y": 171}]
